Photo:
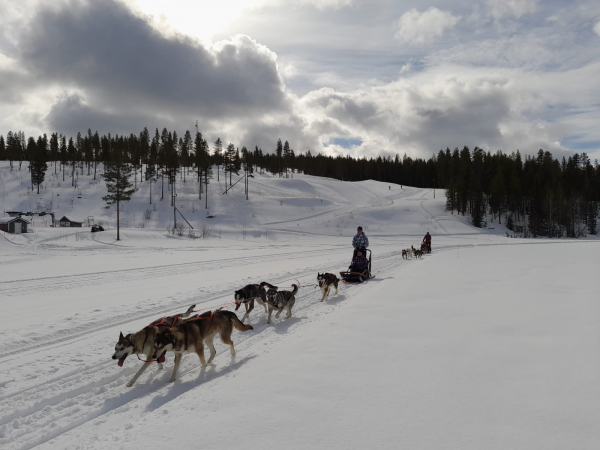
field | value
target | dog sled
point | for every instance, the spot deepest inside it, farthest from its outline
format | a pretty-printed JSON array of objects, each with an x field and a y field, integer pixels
[{"x": 358, "y": 277}]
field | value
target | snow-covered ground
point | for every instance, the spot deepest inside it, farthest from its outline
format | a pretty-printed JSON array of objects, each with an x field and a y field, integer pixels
[{"x": 487, "y": 343}]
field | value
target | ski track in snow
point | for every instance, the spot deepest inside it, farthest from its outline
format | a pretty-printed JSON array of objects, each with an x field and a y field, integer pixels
[
  {"x": 20, "y": 287},
  {"x": 46, "y": 410}
]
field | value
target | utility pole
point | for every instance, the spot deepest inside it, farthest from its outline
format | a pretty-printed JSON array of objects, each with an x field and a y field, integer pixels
[
  {"x": 174, "y": 207},
  {"x": 199, "y": 169},
  {"x": 246, "y": 172}
]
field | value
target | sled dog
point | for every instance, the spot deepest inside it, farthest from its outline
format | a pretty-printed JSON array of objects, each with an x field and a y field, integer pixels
[
  {"x": 189, "y": 336},
  {"x": 404, "y": 254},
  {"x": 142, "y": 342},
  {"x": 248, "y": 294},
  {"x": 418, "y": 253},
  {"x": 326, "y": 281},
  {"x": 280, "y": 300}
]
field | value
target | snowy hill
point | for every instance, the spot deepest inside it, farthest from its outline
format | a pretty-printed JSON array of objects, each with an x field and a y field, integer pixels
[{"x": 488, "y": 342}]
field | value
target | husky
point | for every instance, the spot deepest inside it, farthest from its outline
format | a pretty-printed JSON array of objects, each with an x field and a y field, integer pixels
[
  {"x": 280, "y": 300},
  {"x": 418, "y": 253},
  {"x": 142, "y": 342},
  {"x": 404, "y": 254},
  {"x": 326, "y": 280},
  {"x": 248, "y": 294},
  {"x": 189, "y": 336}
]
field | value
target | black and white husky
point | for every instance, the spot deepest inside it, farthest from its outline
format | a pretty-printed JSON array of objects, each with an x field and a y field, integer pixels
[
  {"x": 248, "y": 294},
  {"x": 326, "y": 281},
  {"x": 280, "y": 300}
]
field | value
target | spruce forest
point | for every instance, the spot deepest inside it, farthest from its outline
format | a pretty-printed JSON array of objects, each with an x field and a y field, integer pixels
[{"x": 533, "y": 196}]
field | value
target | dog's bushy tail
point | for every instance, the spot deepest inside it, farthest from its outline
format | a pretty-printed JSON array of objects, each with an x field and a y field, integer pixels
[
  {"x": 270, "y": 286},
  {"x": 295, "y": 289},
  {"x": 188, "y": 312},
  {"x": 237, "y": 323}
]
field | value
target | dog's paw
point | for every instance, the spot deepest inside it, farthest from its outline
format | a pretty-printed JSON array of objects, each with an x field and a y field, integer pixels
[
  {"x": 172, "y": 380},
  {"x": 129, "y": 384}
]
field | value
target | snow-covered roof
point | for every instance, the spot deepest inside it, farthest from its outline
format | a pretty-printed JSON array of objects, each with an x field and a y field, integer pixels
[
  {"x": 8, "y": 219},
  {"x": 71, "y": 219}
]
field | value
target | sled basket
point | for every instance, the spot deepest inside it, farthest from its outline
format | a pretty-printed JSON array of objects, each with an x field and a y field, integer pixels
[{"x": 357, "y": 277}]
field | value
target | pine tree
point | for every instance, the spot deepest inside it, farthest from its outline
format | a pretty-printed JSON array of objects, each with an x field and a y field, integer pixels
[
  {"x": 64, "y": 157},
  {"x": 229, "y": 158},
  {"x": 54, "y": 149},
  {"x": 592, "y": 219},
  {"x": 218, "y": 154},
  {"x": 72, "y": 152},
  {"x": 116, "y": 175},
  {"x": 11, "y": 148},
  {"x": 279, "y": 151},
  {"x": 201, "y": 160},
  {"x": 38, "y": 162},
  {"x": 286, "y": 156},
  {"x": 2, "y": 148}
]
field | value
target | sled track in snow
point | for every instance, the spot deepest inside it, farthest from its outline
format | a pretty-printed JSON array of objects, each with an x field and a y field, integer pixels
[
  {"x": 201, "y": 297},
  {"x": 64, "y": 403},
  {"x": 45, "y": 284}
]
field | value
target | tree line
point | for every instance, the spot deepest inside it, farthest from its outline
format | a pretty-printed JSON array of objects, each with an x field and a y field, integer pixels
[{"x": 535, "y": 196}]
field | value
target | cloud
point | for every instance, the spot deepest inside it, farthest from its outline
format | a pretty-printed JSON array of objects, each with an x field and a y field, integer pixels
[
  {"x": 597, "y": 28},
  {"x": 120, "y": 62},
  {"x": 415, "y": 27},
  {"x": 515, "y": 8},
  {"x": 447, "y": 106}
]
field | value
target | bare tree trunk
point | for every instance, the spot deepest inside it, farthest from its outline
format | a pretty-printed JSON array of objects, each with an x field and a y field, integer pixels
[{"x": 118, "y": 236}]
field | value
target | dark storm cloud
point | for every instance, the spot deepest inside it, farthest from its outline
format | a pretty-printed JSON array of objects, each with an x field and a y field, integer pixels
[
  {"x": 70, "y": 114},
  {"x": 121, "y": 62}
]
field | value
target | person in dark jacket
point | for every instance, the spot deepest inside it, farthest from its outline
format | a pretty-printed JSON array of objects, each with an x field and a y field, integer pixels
[
  {"x": 360, "y": 242},
  {"x": 427, "y": 241},
  {"x": 360, "y": 263}
]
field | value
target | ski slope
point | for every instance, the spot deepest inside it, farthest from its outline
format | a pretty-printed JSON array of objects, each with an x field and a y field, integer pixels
[{"x": 488, "y": 342}]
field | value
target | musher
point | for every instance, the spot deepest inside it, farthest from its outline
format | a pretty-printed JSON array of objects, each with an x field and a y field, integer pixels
[
  {"x": 427, "y": 242},
  {"x": 360, "y": 242}
]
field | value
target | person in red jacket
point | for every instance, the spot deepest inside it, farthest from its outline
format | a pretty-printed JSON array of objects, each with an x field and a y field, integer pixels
[{"x": 427, "y": 242}]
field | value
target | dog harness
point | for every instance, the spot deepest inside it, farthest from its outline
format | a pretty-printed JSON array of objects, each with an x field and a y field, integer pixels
[
  {"x": 212, "y": 313},
  {"x": 156, "y": 323}
]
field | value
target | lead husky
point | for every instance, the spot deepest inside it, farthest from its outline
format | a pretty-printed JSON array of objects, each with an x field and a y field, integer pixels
[
  {"x": 248, "y": 294},
  {"x": 189, "y": 336},
  {"x": 142, "y": 342},
  {"x": 280, "y": 300},
  {"x": 326, "y": 280}
]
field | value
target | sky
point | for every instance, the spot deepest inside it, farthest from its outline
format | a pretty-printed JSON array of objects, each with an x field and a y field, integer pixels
[{"x": 340, "y": 77}]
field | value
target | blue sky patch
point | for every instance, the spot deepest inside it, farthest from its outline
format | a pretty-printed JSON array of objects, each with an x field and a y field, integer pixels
[{"x": 346, "y": 143}]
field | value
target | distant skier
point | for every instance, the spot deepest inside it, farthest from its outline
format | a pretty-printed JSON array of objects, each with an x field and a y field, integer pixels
[{"x": 360, "y": 241}]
